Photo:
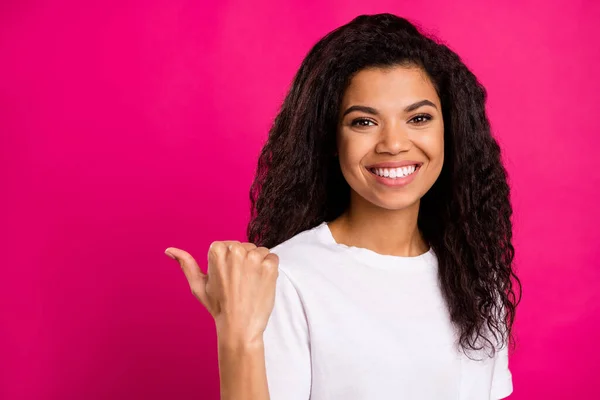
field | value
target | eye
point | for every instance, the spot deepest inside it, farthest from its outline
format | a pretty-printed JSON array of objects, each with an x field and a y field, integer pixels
[
  {"x": 421, "y": 119},
  {"x": 361, "y": 122}
]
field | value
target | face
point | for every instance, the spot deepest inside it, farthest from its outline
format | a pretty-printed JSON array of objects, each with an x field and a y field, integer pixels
[{"x": 390, "y": 136}]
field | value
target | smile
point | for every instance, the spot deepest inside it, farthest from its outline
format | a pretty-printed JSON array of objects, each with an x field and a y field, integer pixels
[
  {"x": 395, "y": 173},
  {"x": 395, "y": 177}
]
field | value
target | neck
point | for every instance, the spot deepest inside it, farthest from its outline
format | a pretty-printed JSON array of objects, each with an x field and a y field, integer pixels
[{"x": 389, "y": 232}]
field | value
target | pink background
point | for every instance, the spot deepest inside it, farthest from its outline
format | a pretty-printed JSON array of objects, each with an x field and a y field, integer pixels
[{"x": 128, "y": 127}]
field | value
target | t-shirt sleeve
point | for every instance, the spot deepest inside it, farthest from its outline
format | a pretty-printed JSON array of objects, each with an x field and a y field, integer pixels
[
  {"x": 502, "y": 384},
  {"x": 287, "y": 345}
]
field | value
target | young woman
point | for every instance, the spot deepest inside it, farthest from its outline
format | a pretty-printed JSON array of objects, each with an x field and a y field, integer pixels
[{"x": 381, "y": 214}]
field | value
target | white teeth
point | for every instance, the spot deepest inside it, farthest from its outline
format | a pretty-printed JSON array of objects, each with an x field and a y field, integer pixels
[{"x": 395, "y": 172}]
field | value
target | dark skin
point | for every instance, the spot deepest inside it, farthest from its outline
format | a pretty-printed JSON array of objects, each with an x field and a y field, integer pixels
[
  {"x": 383, "y": 218},
  {"x": 238, "y": 289}
]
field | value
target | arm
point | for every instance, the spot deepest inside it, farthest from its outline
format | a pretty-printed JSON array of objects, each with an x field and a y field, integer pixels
[
  {"x": 283, "y": 354},
  {"x": 238, "y": 290},
  {"x": 242, "y": 371}
]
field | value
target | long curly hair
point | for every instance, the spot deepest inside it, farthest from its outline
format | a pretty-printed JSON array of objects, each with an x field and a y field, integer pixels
[{"x": 466, "y": 215}]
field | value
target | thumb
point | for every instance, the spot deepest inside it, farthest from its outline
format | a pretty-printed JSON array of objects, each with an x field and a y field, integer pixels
[{"x": 196, "y": 278}]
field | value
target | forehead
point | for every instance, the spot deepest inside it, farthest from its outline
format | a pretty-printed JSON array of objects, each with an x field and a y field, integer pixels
[{"x": 390, "y": 86}]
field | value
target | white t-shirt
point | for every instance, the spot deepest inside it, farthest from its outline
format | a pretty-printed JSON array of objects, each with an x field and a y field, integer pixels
[{"x": 349, "y": 324}]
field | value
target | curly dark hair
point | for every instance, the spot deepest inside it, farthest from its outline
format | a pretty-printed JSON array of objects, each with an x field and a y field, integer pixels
[{"x": 465, "y": 217}]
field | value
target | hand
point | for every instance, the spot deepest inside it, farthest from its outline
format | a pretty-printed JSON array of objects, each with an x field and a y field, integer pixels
[{"x": 238, "y": 289}]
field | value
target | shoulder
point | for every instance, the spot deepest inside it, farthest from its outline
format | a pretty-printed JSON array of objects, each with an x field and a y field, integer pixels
[
  {"x": 299, "y": 246},
  {"x": 302, "y": 251}
]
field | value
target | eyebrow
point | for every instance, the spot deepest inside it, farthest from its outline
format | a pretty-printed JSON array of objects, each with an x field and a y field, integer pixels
[{"x": 371, "y": 110}]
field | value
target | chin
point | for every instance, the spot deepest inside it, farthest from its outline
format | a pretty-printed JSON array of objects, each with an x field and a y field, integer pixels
[{"x": 393, "y": 204}]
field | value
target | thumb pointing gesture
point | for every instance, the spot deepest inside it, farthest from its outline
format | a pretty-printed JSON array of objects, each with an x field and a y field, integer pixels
[
  {"x": 194, "y": 275},
  {"x": 238, "y": 289}
]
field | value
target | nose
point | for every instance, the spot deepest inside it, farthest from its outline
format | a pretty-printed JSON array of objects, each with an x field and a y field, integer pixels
[{"x": 393, "y": 140}]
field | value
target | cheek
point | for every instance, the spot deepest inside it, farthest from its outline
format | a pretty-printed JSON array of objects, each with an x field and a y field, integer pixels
[
  {"x": 351, "y": 152},
  {"x": 432, "y": 146}
]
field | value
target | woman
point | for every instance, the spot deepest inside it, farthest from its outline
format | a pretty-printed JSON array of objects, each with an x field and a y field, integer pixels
[{"x": 384, "y": 203}]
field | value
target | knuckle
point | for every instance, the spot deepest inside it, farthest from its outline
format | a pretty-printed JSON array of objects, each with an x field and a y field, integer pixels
[
  {"x": 255, "y": 257},
  {"x": 217, "y": 248},
  {"x": 235, "y": 253},
  {"x": 237, "y": 250},
  {"x": 270, "y": 264},
  {"x": 230, "y": 243}
]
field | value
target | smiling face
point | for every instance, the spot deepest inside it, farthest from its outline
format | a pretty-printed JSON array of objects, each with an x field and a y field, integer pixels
[{"x": 390, "y": 136}]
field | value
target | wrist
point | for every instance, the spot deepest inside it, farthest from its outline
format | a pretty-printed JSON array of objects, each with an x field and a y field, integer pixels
[{"x": 231, "y": 341}]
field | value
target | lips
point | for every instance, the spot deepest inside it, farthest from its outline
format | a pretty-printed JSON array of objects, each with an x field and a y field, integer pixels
[
  {"x": 395, "y": 164},
  {"x": 395, "y": 172},
  {"x": 395, "y": 176}
]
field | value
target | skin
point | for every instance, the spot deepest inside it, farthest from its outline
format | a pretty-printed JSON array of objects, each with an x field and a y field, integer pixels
[
  {"x": 383, "y": 218},
  {"x": 238, "y": 289}
]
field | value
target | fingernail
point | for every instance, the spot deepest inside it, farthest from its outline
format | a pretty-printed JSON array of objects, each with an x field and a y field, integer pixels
[{"x": 170, "y": 255}]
